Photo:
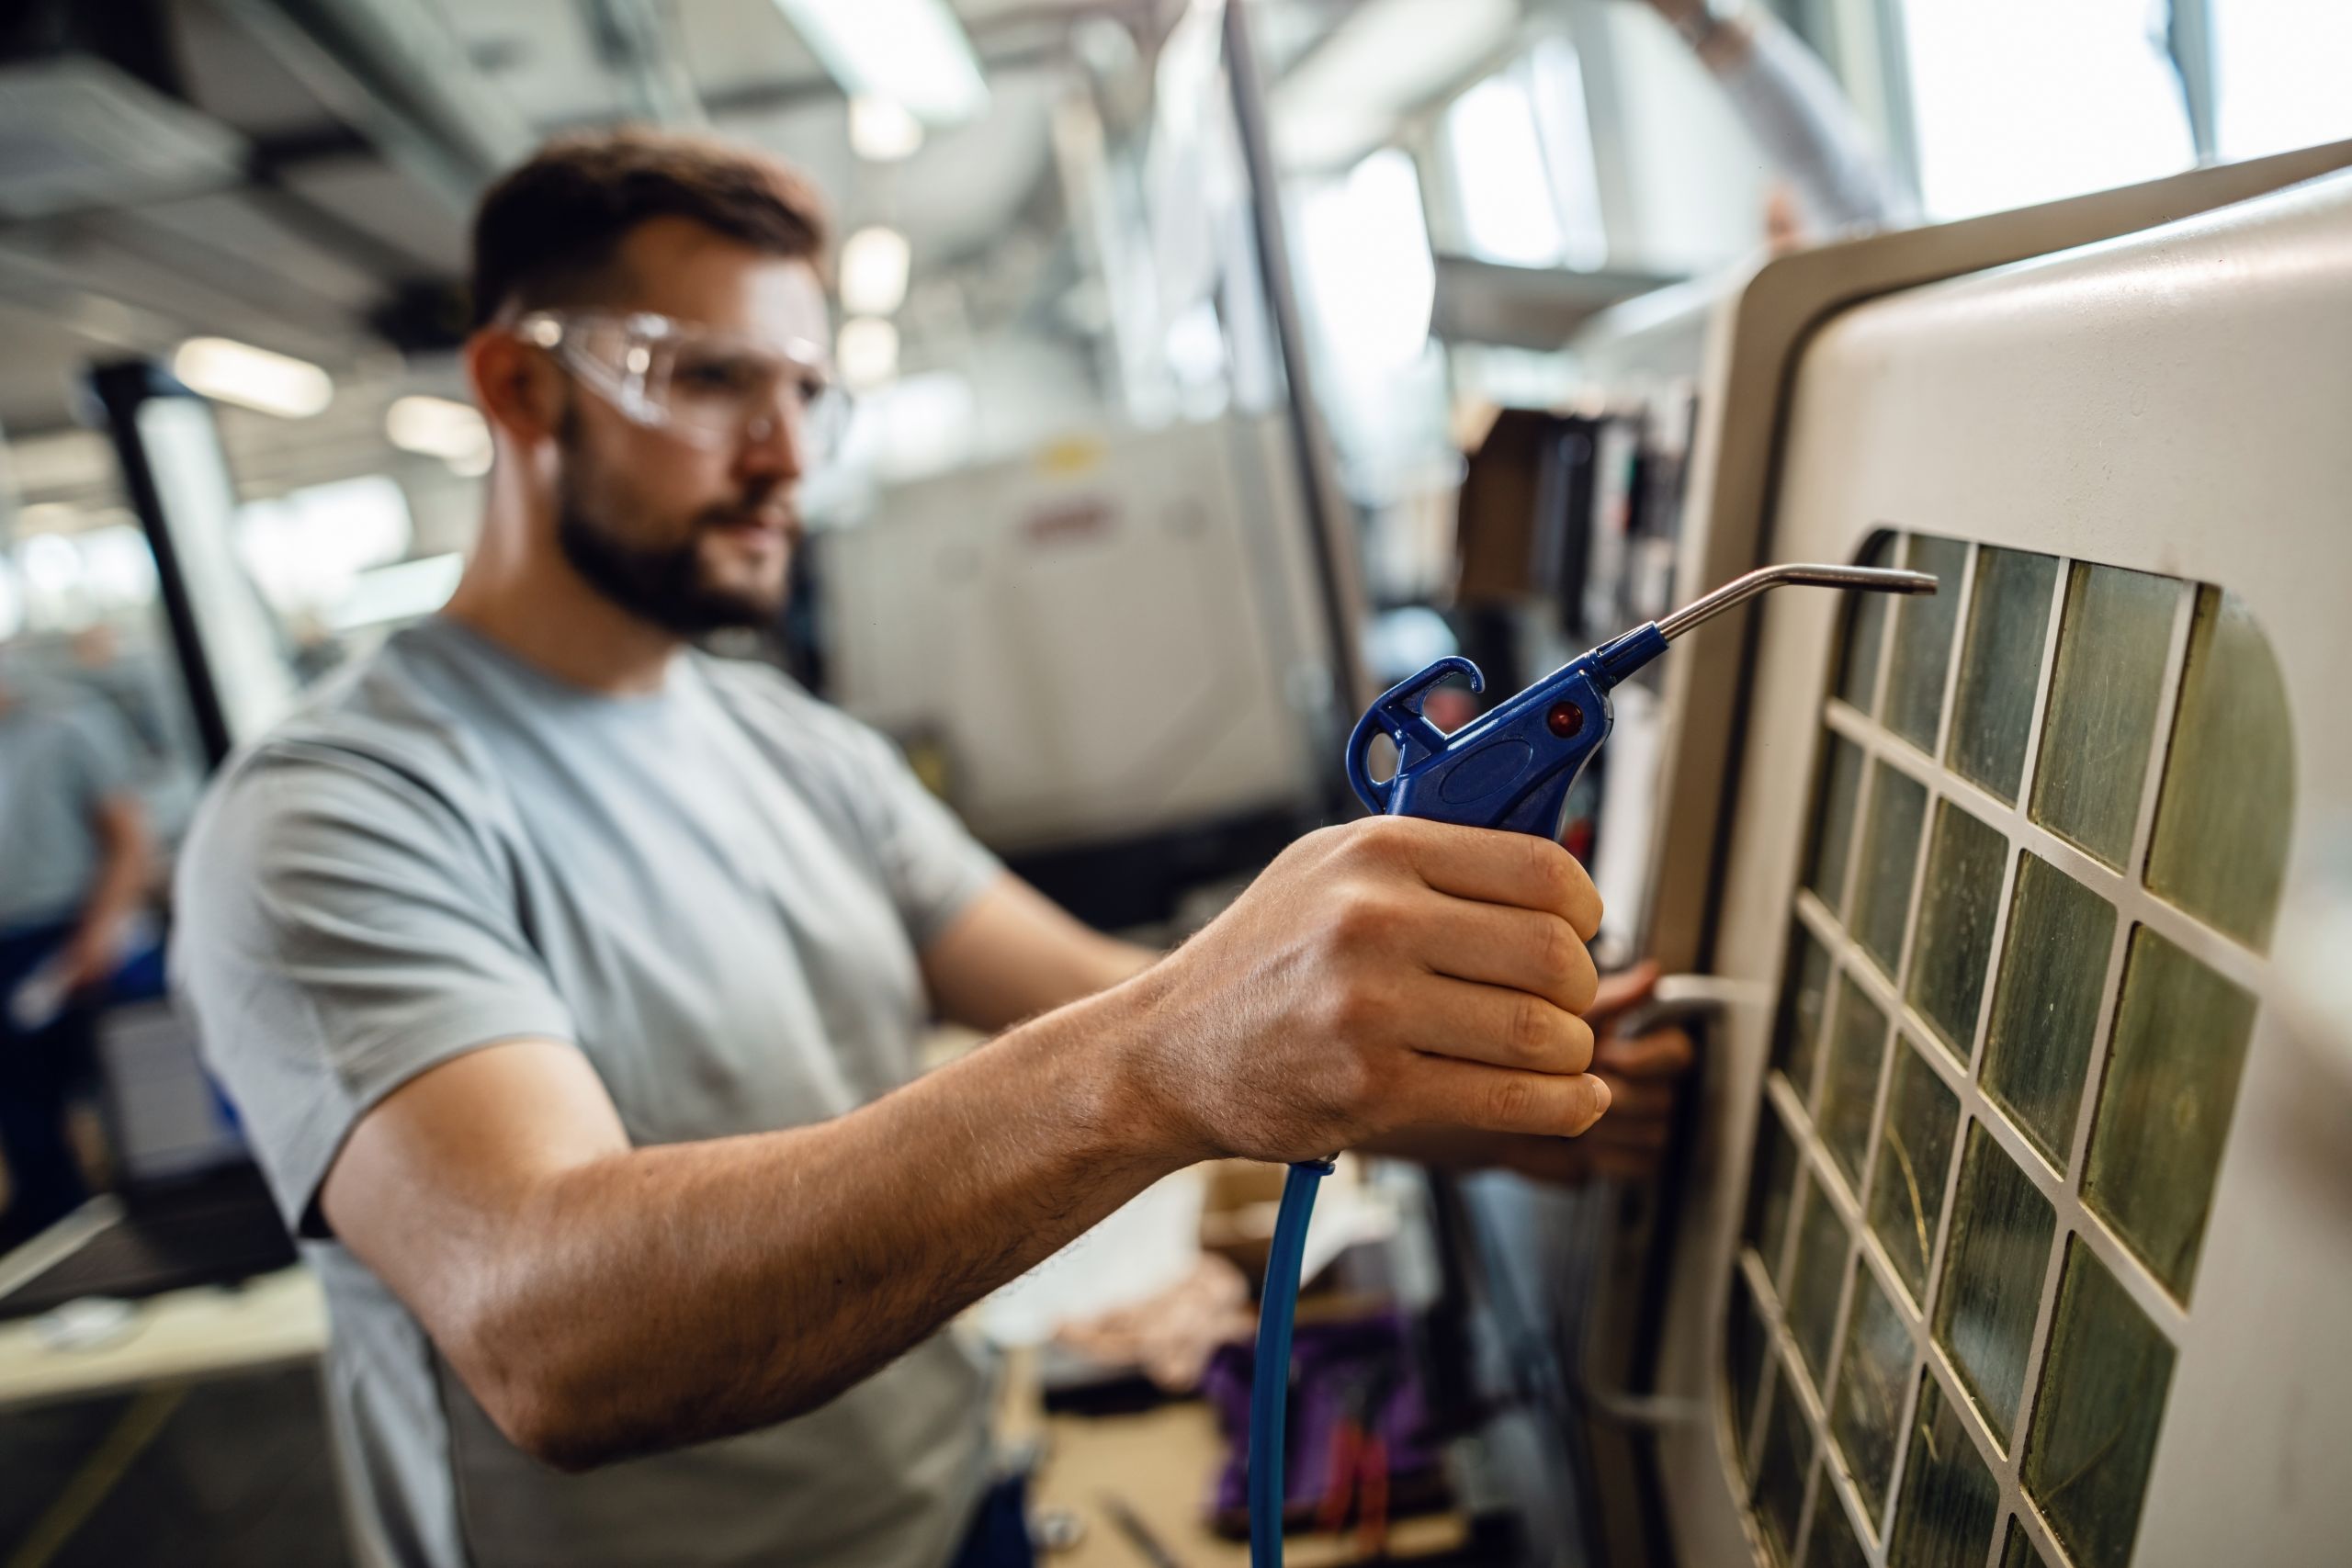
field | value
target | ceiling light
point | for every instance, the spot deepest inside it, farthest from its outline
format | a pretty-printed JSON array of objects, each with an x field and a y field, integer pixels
[
  {"x": 874, "y": 272},
  {"x": 912, "y": 51},
  {"x": 881, "y": 131},
  {"x": 253, "y": 377},
  {"x": 438, "y": 427},
  {"x": 868, "y": 352}
]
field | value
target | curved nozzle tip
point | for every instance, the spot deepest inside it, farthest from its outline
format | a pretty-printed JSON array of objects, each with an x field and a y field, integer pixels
[{"x": 1870, "y": 579}]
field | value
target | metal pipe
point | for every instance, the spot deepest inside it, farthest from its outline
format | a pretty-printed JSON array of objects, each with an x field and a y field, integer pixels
[
  {"x": 1330, "y": 526},
  {"x": 1739, "y": 590}
]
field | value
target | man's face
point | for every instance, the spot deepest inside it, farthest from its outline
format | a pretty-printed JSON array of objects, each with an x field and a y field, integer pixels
[{"x": 690, "y": 535}]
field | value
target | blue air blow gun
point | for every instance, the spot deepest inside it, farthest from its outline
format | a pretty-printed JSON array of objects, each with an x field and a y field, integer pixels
[{"x": 1512, "y": 769}]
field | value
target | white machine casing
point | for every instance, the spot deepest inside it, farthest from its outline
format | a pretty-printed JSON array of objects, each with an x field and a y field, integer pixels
[{"x": 1111, "y": 639}]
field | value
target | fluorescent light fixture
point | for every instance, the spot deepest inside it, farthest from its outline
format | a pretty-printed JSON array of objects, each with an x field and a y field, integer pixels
[
  {"x": 253, "y": 377},
  {"x": 874, "y": 272},
  {"x": 912, "y": 51},
  {"x": 881, "y": 131},
  {"x": 438, "y": 427},
  {"x": 868, "y": 352},
  {"x": 1385, "y": 58}
]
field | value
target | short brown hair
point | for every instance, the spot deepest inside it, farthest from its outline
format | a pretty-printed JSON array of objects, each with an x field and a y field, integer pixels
[{"x": 545, "y": 232}]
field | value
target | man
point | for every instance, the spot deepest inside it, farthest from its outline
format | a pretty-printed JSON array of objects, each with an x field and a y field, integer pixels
[
  {"x": 73, "y": 866},
  {"x": 568, "y": 980}
]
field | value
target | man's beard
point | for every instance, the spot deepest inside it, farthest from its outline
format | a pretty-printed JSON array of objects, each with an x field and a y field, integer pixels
[{"x": 661, "y": 583}]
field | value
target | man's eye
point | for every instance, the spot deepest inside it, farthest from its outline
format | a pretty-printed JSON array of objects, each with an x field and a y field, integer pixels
[{"x": 716, "y": 375}]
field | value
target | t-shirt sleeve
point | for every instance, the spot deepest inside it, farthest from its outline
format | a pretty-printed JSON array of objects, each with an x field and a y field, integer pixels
[
  {"x": 339, "y": 931},
  {"x": 931, "y": 861},
  {"x": 102, "y": 751}
]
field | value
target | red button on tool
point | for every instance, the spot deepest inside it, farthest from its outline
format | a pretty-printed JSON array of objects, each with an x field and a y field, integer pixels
[{"x": 1564, "y": 719}]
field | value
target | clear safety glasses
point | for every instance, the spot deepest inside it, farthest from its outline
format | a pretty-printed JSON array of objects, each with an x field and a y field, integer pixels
[{"x": 708, "y": 386}]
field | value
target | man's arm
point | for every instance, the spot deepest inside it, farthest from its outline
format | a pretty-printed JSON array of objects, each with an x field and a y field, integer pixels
[
  {"x": 602, "y": 1299},
  {"x": 1013, "y": 954},
  {"x": 124, "y": 866},
  {"x": 1792, "y": 106}
]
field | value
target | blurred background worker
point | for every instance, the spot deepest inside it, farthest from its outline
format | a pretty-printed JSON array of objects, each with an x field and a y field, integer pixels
[
  {"x": 74, "y": 868},
  {"x": 1799, "y": 116}
]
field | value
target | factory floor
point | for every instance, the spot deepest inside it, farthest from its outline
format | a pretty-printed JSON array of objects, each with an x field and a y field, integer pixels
[
  {"x": 229, "y": 1472},
  {"x": 1158, "y": 1464},
  {"x": 190, "y": 1457}
]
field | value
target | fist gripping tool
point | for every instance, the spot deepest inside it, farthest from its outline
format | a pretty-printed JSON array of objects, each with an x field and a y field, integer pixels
[{"x": 1511, "y": 769}]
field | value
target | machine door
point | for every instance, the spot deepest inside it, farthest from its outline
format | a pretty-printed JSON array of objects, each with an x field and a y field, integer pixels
[{"x": 2025, "y": 1230}]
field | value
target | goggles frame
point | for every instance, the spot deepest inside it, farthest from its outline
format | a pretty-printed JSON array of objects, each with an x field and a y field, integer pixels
[{"x": 636, "y": 375}]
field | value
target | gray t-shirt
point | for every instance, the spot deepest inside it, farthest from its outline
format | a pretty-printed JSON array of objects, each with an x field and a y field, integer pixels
[
  {"x": 62, "y": 753},
  {"x": 717, "y": 893}
]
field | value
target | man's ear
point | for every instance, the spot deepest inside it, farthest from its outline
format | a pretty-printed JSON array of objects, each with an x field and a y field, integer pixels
[{"x": 519, "y": 391}]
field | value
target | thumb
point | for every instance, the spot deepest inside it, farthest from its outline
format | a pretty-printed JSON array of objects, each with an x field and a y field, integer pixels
[{"x": 1622, "y": 990}]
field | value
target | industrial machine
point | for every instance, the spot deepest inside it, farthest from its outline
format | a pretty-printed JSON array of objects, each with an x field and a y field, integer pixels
[
  {"x": 2013, "y": 403},
  {"x": 1106, "y": 644}
]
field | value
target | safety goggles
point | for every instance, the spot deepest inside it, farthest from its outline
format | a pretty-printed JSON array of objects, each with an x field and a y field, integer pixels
[{"x": 708, "y": 386}]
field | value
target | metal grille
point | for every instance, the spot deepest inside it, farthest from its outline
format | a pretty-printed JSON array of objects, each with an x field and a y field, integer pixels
[{"x": 1833, "y": 1410}]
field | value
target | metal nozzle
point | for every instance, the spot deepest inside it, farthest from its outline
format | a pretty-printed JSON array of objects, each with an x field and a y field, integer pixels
[{"x": 1875, "y": 578}]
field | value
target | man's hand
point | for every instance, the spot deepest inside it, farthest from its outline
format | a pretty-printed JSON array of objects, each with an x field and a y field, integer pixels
[
  {"x": 1392, "y": 973},
  {"x": 1643, "y": 1074},
  {"x": 86, "y": 961}
]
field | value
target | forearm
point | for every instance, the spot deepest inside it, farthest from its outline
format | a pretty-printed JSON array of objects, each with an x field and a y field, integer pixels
[
  {"x": 121, "y": 881},
  {"x": 673, "y": 1294},
  {"x": 1799, "y": 115}
]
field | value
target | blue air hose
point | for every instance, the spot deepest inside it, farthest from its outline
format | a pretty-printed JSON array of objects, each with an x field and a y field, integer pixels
[{"x": 1269, "y": 1375}]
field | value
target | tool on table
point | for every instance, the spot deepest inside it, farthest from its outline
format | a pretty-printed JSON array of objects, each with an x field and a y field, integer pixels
[
  {"x": 1509, "y": 769},
  {"x": 1139, "y": 1535}
]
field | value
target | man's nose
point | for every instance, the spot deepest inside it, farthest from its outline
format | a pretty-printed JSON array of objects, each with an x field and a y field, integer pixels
[{"x": 773, "y": 445}]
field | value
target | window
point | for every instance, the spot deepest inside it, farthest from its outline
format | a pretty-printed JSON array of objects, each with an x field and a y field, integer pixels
[
  {"x": 2020, "y": 101},
  {"x": 2278, "y": 73},
  {"x": 1494, "y": 153},
  {"x": 2049, "y": 827}
]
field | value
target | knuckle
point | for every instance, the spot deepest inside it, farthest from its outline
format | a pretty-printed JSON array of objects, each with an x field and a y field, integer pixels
[
  {"x": 1383, "y": 838},
  {"x": 1542, "y": 858},
  {"x": 1567, "y": 886},
  {"x": 1563, "y": 955},
  {"x": 1365, "y": 916},
  {"x": 1355, "y": 1009},
  {"x": 1350, "y": 1082},
  {"x": 1529, "y": 1030},
  {"x": 1512, "y": 1102}
]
